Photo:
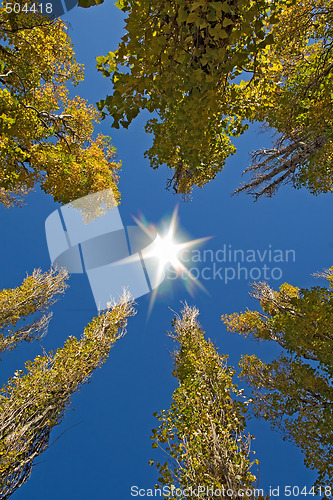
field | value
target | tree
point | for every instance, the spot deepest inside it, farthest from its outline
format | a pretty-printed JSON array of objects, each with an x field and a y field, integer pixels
[
  {"x": 295, "y": 391},
  {"x": 203, "y": 431},
  {"x": 33, "y": 402},
  {"x": 37, "y": 292},
  {"x": 45, "y": 136},
  {"x": 293, "y": 98},
  {"x": 181, "y": 59}
]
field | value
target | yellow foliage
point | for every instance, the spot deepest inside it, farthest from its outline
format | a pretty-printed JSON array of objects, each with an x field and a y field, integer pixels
[{"x": 45, "y": 137}]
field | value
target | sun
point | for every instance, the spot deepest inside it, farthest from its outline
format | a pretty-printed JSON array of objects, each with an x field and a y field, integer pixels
[{"x": 168, "y": 251}]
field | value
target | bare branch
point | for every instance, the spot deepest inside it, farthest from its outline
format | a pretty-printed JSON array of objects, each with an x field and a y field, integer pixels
[{"x": 276, "y": 166}]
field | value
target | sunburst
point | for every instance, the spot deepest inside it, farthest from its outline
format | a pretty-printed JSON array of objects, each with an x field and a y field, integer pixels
[{"x": 168, "y": 251}]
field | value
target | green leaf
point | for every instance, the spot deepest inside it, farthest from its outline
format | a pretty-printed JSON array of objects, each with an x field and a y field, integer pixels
[
  {"x": 227, "y": 22},
  {"x": 182, "y": 15},
  {"x": 192, "y": 17},
  {"x": 89, "y": 3},
  {"x": 269, "y": 40},
  {"x": 122, "y": 5},
  {"x": 100, "y": 60}
]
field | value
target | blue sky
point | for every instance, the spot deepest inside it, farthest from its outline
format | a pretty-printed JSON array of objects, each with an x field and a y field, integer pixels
[{"x": 103, "y": 445}]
